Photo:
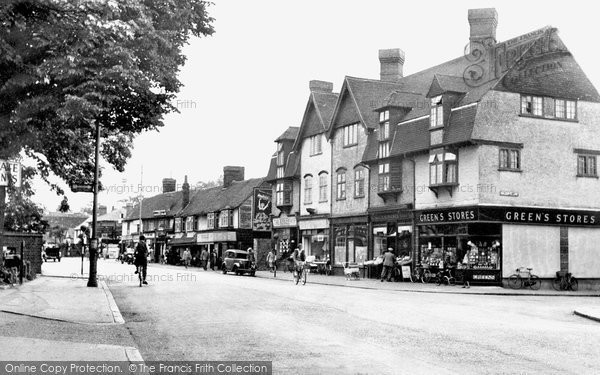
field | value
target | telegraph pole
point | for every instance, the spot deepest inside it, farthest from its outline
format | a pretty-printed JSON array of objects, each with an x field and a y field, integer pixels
[{"x": 92, "y": 281}]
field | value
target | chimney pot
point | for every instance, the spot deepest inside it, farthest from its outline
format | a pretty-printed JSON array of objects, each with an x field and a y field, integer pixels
[
  {"x": 320, "y": 86},
  {"x": 392, "y": 64},
  {"x": 185, "y": 192}
]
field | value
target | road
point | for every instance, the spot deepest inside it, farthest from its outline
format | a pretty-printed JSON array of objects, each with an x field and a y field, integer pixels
[{"x": 316, "y": 329}]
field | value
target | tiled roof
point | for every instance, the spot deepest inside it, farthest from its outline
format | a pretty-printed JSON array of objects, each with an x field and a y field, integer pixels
[
  {"x": 413, "y": 91},
  {"x": 169, "y": 202},
  {"x": 460, "y": 125},
  {"x": 272, "y": 173},
  {"x": 289, "y": 134},
  {"x": 443, "y": 83},
  {"x": 218, "y": 198},
  {"x": 65, "y": 220},
  {"x": 411, "y": 137},
  {"x": 325, "y": 103},
  {"x": 292, "y": 167}
]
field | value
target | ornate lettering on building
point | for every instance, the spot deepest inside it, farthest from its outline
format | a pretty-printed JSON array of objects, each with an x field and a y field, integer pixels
[{"x": 261, "y": 215}]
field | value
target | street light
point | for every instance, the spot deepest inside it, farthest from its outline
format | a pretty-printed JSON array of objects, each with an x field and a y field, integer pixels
[{"x": 92, "y": 280}]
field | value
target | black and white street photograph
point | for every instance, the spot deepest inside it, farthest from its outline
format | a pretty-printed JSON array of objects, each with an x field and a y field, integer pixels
[{"x": 299, "y": 187}]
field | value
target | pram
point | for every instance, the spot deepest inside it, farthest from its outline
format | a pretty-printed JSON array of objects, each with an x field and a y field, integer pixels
[{"x": 351, "y": 271}]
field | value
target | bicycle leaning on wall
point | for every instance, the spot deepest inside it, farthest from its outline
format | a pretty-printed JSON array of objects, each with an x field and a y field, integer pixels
[
  {"x": 524, "y": 278},
  {"x": 565, "y": 281}
]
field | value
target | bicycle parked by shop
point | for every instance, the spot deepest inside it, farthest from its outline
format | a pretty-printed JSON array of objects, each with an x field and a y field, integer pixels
[
  {"x": 565, "y": 281},
  {"x": 444, "y": 276},
  {"x": 524, "y": 278}
]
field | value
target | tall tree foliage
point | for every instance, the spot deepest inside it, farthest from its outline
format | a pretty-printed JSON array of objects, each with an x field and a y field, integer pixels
[{"x": 66, "y": 65}]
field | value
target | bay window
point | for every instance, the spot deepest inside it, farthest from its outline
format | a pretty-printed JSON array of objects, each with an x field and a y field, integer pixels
[{"x": 442, "y": 168}]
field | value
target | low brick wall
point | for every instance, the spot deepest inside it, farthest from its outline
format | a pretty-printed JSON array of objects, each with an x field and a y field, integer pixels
[{"x": 32, "y": 251}]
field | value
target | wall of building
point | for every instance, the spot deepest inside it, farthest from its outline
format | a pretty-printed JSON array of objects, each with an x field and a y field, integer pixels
[
  {"x": 548, "y": 162},
  {"x": 348, "y": 158},
  {"x": 584, "y": 259},
  {"x": 314, "y": 165},
  {"x": 532, "y": 246},
  {"x": 466, "y": 193}
]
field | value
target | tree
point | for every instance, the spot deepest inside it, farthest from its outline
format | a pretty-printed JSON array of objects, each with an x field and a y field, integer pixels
[
  {"x": 209, "y": 184},
  {"x": 22, "y": 214},
  {"x": 67, "y": 65}
]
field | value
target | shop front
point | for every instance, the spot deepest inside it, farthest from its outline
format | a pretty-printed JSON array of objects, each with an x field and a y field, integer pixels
[
  {"x": 391, "y": 229},
  {"x": 350, "y": 241},
  {"x": 217, "y": 240},
  {"x": 491, "y": 242},
  {"x": 315, "y": 237},
  {"x": 285, "y": 234}
]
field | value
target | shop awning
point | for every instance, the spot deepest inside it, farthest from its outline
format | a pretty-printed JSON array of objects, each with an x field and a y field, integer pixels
[{"x": 183, "y": 241}]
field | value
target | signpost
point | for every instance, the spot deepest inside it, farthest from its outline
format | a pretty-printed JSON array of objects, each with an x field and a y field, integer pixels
[{"x": 82, "y": 188}]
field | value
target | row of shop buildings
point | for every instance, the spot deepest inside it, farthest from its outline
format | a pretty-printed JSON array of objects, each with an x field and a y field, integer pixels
[{"x": 487, "y": 161}]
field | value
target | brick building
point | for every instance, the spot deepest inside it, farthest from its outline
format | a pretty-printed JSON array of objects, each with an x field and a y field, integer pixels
[{"x": 314, "y": 150}]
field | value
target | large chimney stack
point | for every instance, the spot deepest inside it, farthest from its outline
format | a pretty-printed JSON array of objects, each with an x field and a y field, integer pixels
[
  {"x": 392, "y": 64},
  {"x": 320, "y": 86},
  {"x": 483, "y": 23},
  {"x": 169, "y": 185},
  {"x": 231, "y": 174},
  {"x": 185, "y": 188}
]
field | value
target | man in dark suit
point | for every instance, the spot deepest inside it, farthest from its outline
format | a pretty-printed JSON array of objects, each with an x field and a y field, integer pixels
[
  {"x": 389, "y": 259},
  {"x": 141, "y": 257}
]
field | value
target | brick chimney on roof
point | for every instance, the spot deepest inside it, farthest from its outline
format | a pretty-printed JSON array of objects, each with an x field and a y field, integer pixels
[
  {"x": 169, "y": 185},
  {"x": 231, "y": 174},
  {"x": 483, "y": 23},
  {"x": 392, "y": 64},
  {"x": 320, "y": 86},
  {"x": 185, "y": 188}
]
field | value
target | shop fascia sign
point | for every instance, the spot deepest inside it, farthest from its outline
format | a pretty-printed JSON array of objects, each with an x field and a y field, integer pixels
[
  {"x": 216, "y": 237},
  {"x": 519, "y": 215},
  {"x": 10, "y": 172},
  {"x": 283, "y": 222}
]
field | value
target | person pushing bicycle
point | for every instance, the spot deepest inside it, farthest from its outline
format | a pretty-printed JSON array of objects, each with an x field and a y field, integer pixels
[{"x": 298, "y": 256}]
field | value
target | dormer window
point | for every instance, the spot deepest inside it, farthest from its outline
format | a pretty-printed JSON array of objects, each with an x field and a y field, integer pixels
[
  {"x": 384, "y": 125},
  {"x": 280, "y": 172},
  {"x": 280, "y": 154},
  {"x": 384, "y": 150},
  {"x": 437, "y": 112}
]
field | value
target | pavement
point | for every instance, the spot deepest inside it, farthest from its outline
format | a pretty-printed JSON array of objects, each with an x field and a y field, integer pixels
[{"x": 66, "y": 301}]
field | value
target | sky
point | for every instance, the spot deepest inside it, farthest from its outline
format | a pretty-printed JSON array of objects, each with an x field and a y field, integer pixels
[{"x": 248, "y": 82}]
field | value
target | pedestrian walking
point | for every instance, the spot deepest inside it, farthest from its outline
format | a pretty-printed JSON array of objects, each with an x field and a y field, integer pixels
[
  {"x": 388, "y": 265},
  {"x": 271, "y": 260},
  {"x": 213, "y": 259},
  {"x": 204, "y": 259},
  {"x": 140, "y": 257},
  {"x": 251, "y": 256},
  {"x": 187, "y": 257}
]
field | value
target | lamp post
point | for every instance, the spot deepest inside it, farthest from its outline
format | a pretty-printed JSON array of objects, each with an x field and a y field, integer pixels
[{"x": 92, "y": 280}]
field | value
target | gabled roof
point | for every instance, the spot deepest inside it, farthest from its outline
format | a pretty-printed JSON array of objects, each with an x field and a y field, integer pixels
[
  {"x": 169, "y": 202},
  {"x": 317, "y": 115},
  {"x": 453, "y": 76},
  {"x": 218, "y": 198},
  {"x": 443, "y": 83},
  {"x": 289, "y": 134},
  {"x": 365, "y": 94}
]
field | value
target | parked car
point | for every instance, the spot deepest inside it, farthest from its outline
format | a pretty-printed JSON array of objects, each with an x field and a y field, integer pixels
[
  {"x": 52, "y": 252},
  {"x": 237, "y": 261}
]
